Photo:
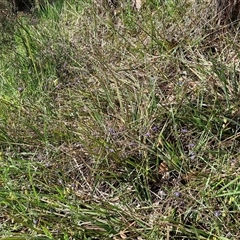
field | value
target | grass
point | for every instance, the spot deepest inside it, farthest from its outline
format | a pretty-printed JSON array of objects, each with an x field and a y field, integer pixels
[{"x": 119, "y": 124}]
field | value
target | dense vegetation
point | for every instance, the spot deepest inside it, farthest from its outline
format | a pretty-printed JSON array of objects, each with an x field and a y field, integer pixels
[{"x": 118, "y": 123}]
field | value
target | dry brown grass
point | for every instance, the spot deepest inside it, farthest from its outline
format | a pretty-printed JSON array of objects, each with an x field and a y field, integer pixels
[{"x": 228, "y": 11}]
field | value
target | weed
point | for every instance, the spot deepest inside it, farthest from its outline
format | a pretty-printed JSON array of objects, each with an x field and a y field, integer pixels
[{"x": 119, "y": 125}]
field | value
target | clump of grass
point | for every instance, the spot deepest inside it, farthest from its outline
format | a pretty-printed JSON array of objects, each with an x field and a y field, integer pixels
[{"x": 119, "y": 125}]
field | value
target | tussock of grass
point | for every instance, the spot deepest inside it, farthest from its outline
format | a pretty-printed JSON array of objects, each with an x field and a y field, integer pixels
[{"x": 120, "y": 124}]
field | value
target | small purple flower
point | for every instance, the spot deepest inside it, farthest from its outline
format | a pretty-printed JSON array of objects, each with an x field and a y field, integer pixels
[
  {"x": 217, "y": 213},
  {"x": 147, "y": 134},
  {"x": 191, "y": 145},
  {"x": 20, "y": 89},
  {"x": 184, "y": 130},
  {"x": 177, "y": 194},
  {"x": 182, "y": 203},
  {"x": 155, "y": 129},
  {"x": 109, "y": 149},
  {"x": 229, "y": 235},
  {"x": 192, "y": 157},
  {"x": 112, "y": 131}
]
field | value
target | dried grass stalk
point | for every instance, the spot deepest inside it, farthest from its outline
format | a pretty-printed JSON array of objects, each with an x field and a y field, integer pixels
[{"x": 228, "y": 11}]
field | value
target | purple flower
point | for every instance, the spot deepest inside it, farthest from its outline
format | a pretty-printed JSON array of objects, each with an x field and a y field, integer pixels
[
  {"x": 184, "y": 130},
  {"x": 229, "y": 235},
  {"x": 191, "y": 145},
  {"x": 155, "y": 129},
  {"x": 192, "y": 157},
  {"x": 112, "y": 132},
  {"x": 182, "y": 203},
  {"x": 217, "y": 213},
  {"x": 147, "y": 134},
  {"x": 177, "y": 194},
  {"x": 20, "y": 89}
]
